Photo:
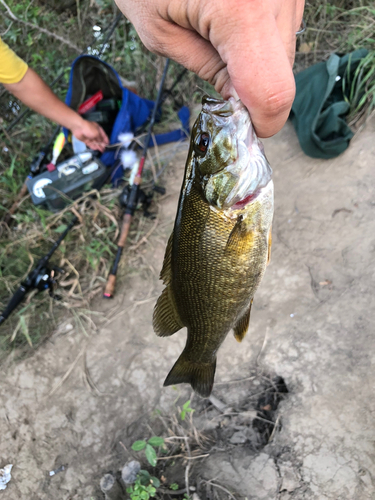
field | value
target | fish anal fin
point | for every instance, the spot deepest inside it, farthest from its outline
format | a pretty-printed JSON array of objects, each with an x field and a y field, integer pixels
[
  {"x": 242, "y": 325},
  {"x": 166, "y": 271},
  {"x": 199, "y": 375},
  {"x": 269, "y": 246},
  {"x": 166, "y": 320}
]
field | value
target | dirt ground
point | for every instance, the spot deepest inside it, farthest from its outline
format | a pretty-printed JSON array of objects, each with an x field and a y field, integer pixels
[{"x": 312, "y": 323}]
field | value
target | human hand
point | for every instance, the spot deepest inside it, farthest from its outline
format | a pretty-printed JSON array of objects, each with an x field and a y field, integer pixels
[
  {"x": 91, "y": 134},
  {"x": 245, "y": 48}
]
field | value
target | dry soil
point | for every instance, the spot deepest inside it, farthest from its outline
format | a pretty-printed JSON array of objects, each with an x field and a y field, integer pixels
[{"x": 78, "y": 396}]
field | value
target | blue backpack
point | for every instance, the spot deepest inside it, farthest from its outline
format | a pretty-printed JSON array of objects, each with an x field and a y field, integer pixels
[{"x": 88, "y": 75}]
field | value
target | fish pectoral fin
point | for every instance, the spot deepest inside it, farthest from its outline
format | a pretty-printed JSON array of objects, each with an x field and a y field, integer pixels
[
  {"x": 199, "y": 375},
  {"x": 269, "y": 246},
  {"x": 166, "y": 320},
  {"x": 236, "y": 236},
  {"x": 242, "y": 325},
  {"x": 166, "y": 271}
]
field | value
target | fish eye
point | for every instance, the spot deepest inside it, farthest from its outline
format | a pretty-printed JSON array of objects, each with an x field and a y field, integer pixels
[{"x": 203, "y": 144}]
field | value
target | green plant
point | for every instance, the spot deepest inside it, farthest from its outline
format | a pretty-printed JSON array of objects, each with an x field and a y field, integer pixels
[
  {"x": 144, "y": 487},
  {"x": 149, "y": 447},
  {"x": 359, "y": 88},
  {"x": 173, "y": 486},
  {"x": 186, "y": 409}
]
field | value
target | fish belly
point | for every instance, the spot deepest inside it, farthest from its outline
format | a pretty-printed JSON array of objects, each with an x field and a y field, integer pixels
[{"x": 218, "y": 260}]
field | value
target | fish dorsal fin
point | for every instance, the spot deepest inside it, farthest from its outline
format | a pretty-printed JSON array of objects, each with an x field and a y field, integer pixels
[
  {"x": 166, "y": 272},
  {"x": 166, "y": 320},
  {"x": 242, "y": 325}
]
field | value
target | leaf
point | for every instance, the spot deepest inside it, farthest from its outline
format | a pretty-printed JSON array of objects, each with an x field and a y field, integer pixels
[
  {"x": 156, "y": 441},
  {"x": 138, "y": 445},
  {"x": 25, "y": 330},
  {"x": 183, "y": 415},
  {"x": 61, "y": 228},
  {"x": 151, "y": 455},
  {"x": 186, "y": 405},
  {"x": 144, "y": 477},
  {"x": 173, "y": 486},
  {"x": 155, "y": 481}
]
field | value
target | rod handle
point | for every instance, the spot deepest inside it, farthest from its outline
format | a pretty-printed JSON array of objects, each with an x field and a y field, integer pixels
[{"x": 110, "y": 287}]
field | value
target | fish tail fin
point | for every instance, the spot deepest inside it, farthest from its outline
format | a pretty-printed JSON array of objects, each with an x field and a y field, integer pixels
[{"x": 199, "y": 375}]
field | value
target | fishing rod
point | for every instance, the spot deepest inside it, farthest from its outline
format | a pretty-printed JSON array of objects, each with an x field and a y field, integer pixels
[
  {"x": 134, "y": 195},
  {"x": 42, "y": 277}
]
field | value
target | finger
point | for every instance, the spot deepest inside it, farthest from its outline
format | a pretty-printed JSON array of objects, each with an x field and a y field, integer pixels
[
  {"x": 103, "y": 138},
  {"x": 170, "y": 40},
  {"x": 242, "y": 65},
  {"x": 259, "y": 69}
]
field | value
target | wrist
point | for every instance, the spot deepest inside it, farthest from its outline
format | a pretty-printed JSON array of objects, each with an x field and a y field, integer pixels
[{"x": 74, "y": 122}]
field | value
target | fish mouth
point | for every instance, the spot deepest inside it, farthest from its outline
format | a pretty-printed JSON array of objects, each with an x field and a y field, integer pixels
[
  {"x": 251, "y": 168},
  {"x": 237, "y": 183}
]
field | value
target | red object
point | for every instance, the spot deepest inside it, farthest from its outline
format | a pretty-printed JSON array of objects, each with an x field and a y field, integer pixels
[
  {"x": 51, "y": 167},
  {"x": 140, "y": 168},
  {"x": 90, "y": 102}
]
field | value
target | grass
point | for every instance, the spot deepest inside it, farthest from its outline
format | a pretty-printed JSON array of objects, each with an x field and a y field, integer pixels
[{"x": 88, "y": 251}]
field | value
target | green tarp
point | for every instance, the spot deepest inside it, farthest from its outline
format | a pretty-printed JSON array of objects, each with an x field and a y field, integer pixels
[{"x": 319, "y": 108}]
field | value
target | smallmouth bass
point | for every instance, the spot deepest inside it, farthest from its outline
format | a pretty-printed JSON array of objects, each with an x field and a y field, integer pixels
[{"x": 220, "y": 246}]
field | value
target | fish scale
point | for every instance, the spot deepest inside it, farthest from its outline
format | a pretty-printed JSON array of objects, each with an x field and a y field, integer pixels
[{"x": 216, "y": 256}]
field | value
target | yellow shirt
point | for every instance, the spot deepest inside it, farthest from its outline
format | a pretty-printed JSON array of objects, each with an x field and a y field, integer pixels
[{"x": 12, "y": 67}]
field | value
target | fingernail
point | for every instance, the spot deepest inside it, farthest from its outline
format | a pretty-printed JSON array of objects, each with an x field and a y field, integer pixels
[{"x": 234, "y": 94}]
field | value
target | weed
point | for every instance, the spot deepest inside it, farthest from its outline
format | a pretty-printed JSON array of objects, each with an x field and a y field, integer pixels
[
  {"x": 359, "y": 90},
  {"x": 89, "y": 249},
  {"x": 186, "y": 409},
  {"x": 150, "y": 448},
  {"x": 144, "y": 487}
]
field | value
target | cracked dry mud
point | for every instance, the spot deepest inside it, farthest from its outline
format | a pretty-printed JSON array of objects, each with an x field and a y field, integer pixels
[{"x": 312, "y": 323}]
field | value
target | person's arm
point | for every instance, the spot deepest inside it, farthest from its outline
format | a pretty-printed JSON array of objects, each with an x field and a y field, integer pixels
[
  {"x": 36, "y": 94},
  {"x": 245, "y": 48}
]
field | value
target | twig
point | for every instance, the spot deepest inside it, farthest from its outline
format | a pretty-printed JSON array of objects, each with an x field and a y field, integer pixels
[
  {"x": 67, "y": 373},
  {"x": 262, "y": 348},
  {"x": 186, "y": 458},
  {"x": 219, "y": 405},
  {"x": 236, "y": 381},
  {"x": 220, "y": 488},
  {"x": 187, "y": 468},
  {"x": 145, "y": 237},
  {"x": 274, "y": 428},
  {"x": 34, "y": 26}
]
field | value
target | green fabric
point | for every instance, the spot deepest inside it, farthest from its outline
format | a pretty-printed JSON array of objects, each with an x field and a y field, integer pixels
[{"x": 319, "y": 109}]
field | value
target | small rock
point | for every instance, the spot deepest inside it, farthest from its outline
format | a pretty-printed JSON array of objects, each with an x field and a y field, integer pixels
[
  {"x": 290, "y": 480},
  {"x": 107, "y": 482},
  {"x": 129, "y": 471},
  {"x": 238, "y": 438},
  {"x": 5, "y": 476}
]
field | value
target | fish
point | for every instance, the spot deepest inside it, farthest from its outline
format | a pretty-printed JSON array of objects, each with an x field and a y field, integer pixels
[{"x": 220, "y": 246}]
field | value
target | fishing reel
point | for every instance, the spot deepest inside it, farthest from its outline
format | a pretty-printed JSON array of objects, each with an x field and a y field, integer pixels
[
  {"x": 143, "y": 198},
  {"x": 44, "y": 278}
]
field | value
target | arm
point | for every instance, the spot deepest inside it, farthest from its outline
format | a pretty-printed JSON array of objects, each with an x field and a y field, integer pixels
[
  {"x": 36, "y": 94},
  {"x": 245, "y": 48}
]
